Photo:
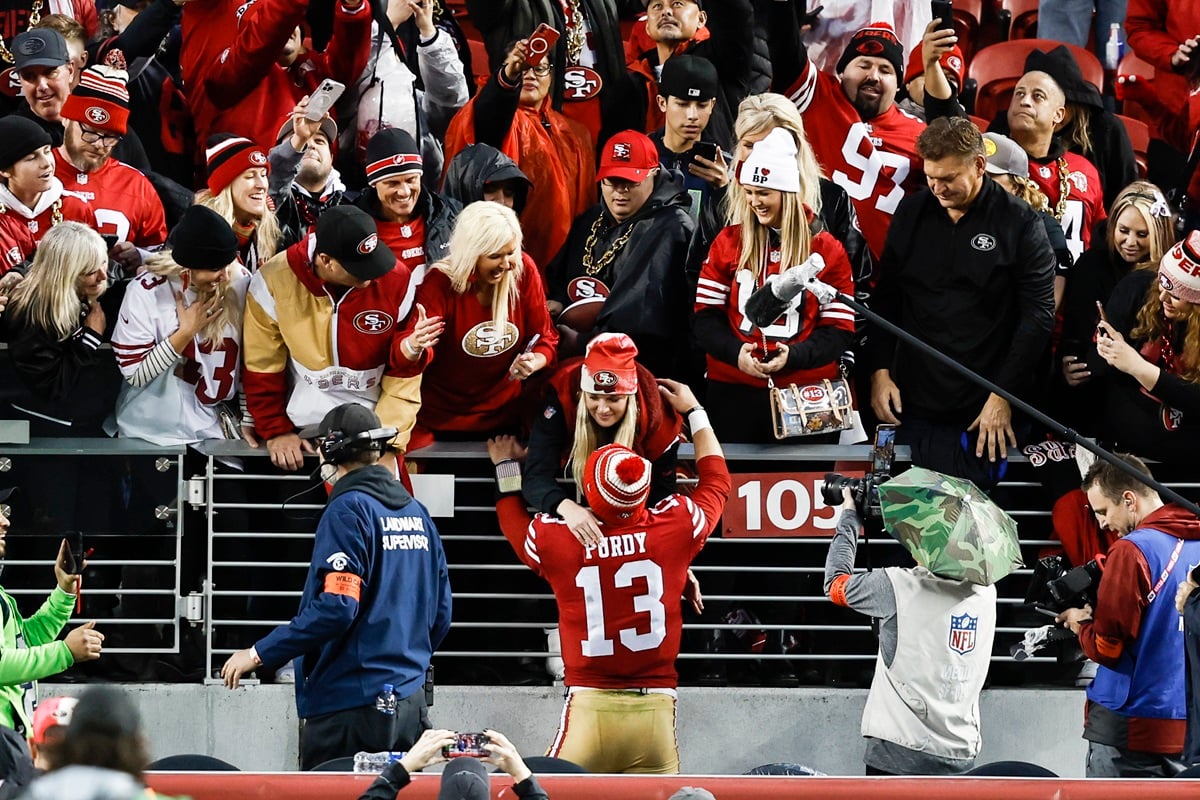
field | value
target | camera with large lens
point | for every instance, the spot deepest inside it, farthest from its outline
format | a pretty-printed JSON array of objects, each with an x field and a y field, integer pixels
[
  {"x": 1057, "y": 586},
  {"x": 865, "y": 490}
]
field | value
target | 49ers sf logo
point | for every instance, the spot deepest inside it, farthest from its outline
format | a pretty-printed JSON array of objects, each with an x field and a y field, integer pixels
[
  {"x": 373, "y": 322},
  {"x": 96, "y": 115},
  {"x": 581, "y": 83},
  {"x": 488, "y": 339}
]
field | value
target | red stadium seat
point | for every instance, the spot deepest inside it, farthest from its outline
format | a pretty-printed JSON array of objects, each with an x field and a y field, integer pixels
[
  {"x": 1139, "y": 137},
  {"x": 968, "y": 21},
  {"x": 479, "y": 60},
  {"x": 980, "y": 122},
  {"x": 997, "y": 68},
  {"x": 1133, "y": 68},
  {"x": 1018, "y": 18}
]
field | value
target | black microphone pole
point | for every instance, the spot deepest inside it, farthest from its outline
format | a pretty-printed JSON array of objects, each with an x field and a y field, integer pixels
[{"x": 1066, "y": 432}]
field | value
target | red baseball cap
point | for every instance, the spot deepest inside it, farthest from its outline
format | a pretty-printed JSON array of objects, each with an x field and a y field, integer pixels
[
  {"x": 951, "y": 61},
  {"x": 628, "y": 155},
  {"x": 51, "y": 713}
]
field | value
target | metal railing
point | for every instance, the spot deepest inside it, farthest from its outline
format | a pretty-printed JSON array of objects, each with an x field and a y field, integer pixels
[
  {"x": 123, "y": 496},
  {"x": 501, "y": 607}
]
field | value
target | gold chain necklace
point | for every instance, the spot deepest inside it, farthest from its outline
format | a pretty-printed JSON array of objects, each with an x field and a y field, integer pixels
[
  {"x": 56, "y": 213},
  {"x": 1064, "y": 189},
  {"x": 592, "y": 268},
  {"x": 35, "y": 16},
  {"x": 575, "y": 37}
]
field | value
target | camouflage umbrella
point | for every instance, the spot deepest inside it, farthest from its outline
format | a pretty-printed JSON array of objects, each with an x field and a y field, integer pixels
[{"x": 950, "y": 526}]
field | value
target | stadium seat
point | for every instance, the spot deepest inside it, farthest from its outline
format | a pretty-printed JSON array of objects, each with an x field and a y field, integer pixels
[
  {"x": 479, "y": 60},
  {"x": 1131, "y": 69},
  {"x": 1012, "y": 769},
  {"x": 996, "y": 70},
  {"x": 980, "y": 122},
  {"x": 191, "y": 762},
  {"x": 968, "y": 22},
  {"x": 1139, "y": 137},
  {"x": 1018, "y": 18}
]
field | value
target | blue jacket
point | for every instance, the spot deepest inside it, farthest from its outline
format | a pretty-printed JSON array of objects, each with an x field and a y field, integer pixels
[
  {"x": 1149, "y": 681},
  {"x": 347, "y": 647}
]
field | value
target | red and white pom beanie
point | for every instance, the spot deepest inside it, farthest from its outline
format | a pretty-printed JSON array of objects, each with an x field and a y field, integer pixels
[{"x": 616, "y": 483}]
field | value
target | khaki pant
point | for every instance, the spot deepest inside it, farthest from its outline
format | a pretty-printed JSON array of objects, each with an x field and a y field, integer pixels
[{"x": 618, "y": 731}]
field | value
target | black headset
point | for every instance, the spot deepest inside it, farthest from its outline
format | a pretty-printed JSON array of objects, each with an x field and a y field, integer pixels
[{"x": 338, "y": 448}]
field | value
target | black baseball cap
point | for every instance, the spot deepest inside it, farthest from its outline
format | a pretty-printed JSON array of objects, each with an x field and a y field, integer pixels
[
  {"x": 689, "y": 78},
  {"x": 348, "y": 234},
  {"x": 40, "y": 47},
  {"x": 6, "y": 493},
  {"x": 348, "y": 419}
]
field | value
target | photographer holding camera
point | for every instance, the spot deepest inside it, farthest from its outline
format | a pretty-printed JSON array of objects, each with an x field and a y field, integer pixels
[
  {"x": 1136, "y": 708},
  {"x": 935, "y": 641}
]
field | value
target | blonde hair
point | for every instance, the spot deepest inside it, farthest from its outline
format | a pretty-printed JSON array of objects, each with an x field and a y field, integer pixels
[
  {"x": 482, "y": 228},
  {"x": 49, "y": 297},
  {"x": 266, "y": 229},
  {"x": 213, "y": 333},
  {"x": 1029, "y": 191},
  {"x": 795, "y": 238},
  {"x": 762, "y": 113},
  {"x": 587, "y": 435},
  {"x": 1074, "y": 129},
  {"x": 1142, "y": 196},
  {"x": 1153, "y": 324}
]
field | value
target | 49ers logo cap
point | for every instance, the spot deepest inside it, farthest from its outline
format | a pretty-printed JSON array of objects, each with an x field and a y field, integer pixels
[{"x": 348, "y": 234}]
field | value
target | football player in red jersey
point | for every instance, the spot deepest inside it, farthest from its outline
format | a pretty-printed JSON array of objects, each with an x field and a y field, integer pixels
[{"x": 619, "y": 600}]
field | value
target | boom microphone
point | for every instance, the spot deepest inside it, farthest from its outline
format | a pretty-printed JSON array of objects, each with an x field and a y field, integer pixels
[{"x": 780, "y": 291}]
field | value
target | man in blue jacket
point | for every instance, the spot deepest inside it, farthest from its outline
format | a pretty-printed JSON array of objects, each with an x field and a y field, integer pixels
[{"x": 376, "y": 603}]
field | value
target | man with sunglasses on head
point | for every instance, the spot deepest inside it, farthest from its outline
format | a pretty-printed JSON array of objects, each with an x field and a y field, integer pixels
[{"x": 128, "y": 211}]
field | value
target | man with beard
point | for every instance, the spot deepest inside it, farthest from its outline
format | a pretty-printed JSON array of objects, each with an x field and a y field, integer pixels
[
  {"x": 675, "y": 27},
  {"x": 128, "y": 211},
  {"x": 31, "y": 651},
  {"x": 867, "y": 144},
  {"x": 303, "y": 181}
]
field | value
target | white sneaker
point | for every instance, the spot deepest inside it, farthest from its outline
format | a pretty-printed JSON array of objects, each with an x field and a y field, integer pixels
[
  {"x": 554, "y": 663},
  {"x": 286, "y": 673}
]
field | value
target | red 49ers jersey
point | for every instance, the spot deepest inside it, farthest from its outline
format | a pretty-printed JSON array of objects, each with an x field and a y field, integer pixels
[
  {"x": 619, "y": 602},
  {"x": 876, "y": 162},
  {"x": 723, "y": 286},
  {"x": 1085, "y": 197},
  {"x": 125, "y": 204}
]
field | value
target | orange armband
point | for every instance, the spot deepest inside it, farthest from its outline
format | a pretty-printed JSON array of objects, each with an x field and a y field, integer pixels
[
  {"x": 837, "y": 590},
  {"x": 344, "y": 583}
]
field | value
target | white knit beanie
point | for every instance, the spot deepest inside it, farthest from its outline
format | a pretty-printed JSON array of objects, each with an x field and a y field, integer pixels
[{"x": 772, "y": 163}]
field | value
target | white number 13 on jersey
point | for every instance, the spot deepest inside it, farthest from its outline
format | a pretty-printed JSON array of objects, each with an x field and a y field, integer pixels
[{"x": 650, "y": 603}]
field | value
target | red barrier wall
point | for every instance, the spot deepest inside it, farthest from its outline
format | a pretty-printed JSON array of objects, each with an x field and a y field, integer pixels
[{"x": 339, "y": 786}]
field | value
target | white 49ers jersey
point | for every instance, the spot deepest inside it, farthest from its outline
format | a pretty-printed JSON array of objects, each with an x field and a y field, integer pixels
[{"x": 179, "y": 405}]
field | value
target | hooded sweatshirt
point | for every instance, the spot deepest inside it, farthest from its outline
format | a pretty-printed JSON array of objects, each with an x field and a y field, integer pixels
[
  {"x": 645, "y": 281},
  {"x": 480, "y": 164},
  {"x": 1137, "y": 640},
  {"x": 376, "y": 602}
]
